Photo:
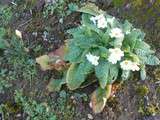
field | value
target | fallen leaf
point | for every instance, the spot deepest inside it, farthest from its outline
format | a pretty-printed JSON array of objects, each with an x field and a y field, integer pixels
[
  {"x": 59, "y": 64},
  {"x": 99, "y": 98},
  {"x": 44, "y": 62},
  {"x": 58, "y": 52},
  {"x": 54, "y": 60}
]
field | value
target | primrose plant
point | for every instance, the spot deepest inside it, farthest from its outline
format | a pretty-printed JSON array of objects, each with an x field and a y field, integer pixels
[{"x": 108, "y": 48}]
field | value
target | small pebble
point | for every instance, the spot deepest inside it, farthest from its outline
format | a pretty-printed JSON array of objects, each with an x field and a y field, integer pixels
[
  {"x": 18, "y": 115},
  {"x": 90, "y": 117}
]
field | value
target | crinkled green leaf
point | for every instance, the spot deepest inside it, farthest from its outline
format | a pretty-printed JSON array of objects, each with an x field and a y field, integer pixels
[
  {"x": 152, "y": 60},
  {"x": 142, "y": 45},
  {"x": 76, "y": 31},
  {"x": 77, "y": 74},
  {"x": 106, "y": 73},
  {"x": 127, "y": 26},
  {"x": 105, "y": 38},
  {"x": 86, "y": 19},
  {"x": 130, "y": 41},
  {"x": 102, "y": 72},
  {"x": 138, "y": 34},
  {"x": 134, "y": 40},
  {"x": 85, "y": 42},
  {"x": 113, "y": 73},
  {"x": 142, "y": 52},
  {"x": 74, "y": 53},
  {"x": 103, "y": 51}
]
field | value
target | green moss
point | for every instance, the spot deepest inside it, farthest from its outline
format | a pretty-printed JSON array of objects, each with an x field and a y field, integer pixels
[
  {"x": 137, "y": 3},
  {"x": 157, "y": 74},
  {"x": 11, "y": 108},
  {"x": 148, "y": 110},
  {"x": 142, "y": 90}
]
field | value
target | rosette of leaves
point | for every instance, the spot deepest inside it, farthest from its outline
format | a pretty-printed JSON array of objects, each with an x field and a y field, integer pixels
[{"x": 88, "y": 38}]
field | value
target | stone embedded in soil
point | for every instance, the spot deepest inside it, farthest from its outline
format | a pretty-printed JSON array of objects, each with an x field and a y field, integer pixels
[{"x": 90, "y": 116}]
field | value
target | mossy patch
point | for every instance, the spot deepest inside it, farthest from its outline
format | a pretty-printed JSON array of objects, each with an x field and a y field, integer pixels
[
  {"x": 157, "y": 74},
  {"x": 148, "y": 110},
  {"x": 142, "y": 90}
]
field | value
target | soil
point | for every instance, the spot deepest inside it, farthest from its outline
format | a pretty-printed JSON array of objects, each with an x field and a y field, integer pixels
[{"x": 125, "y": 105}]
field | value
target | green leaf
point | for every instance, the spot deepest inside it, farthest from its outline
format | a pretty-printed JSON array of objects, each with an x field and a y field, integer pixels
[
  {"x": 103, "y": 51},
  {"x": 91, "y": 8},
  {"x": 85, "y": 42},
  {"x": 102, "y": 73},
  {"x": 74, "y": 53},
  {"x": 127, "y": 26},
  {"x": 138, "y": 34},
  {"x": 70, "y": 78},
  {"x": 55, "y": 85},
  {"x": 105, "y": 38},
  {"x": 142, "y": 45},
  {"x": 152, "y": 60},
  {"x": 76, "y": 31},
  {"x": 77, "y": 74},
  {"x": 130, "y": 41},
  {"x": 142, "y": 52},
  {"x": 134, "y": 40},
  {"x": 113, "y": 73},
  {"x": 86, "y": 19},
  {"x": 106, "y": 73}
]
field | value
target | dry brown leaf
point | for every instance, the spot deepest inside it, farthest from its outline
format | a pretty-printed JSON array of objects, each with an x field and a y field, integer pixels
[
  {"x": 44, "y": 62},
  {"x": 99, "y": 98},
  {"x": 54, "y": 60}
]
